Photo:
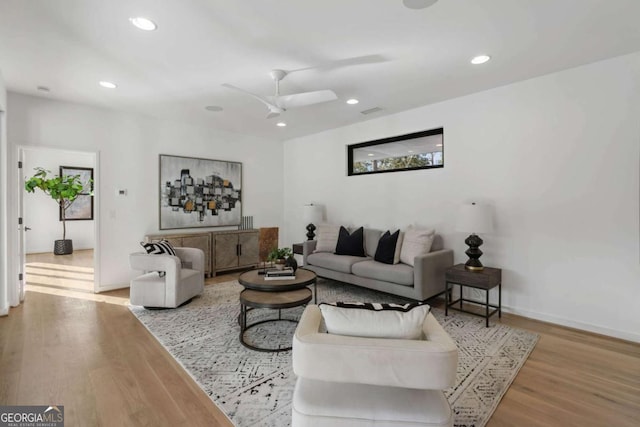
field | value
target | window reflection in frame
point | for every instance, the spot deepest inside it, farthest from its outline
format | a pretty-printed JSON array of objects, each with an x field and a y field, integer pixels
[{"x": 413, "y": 151}]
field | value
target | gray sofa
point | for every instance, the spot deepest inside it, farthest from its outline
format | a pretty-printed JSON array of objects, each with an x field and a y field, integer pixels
[{"x": 423, "y": 281}]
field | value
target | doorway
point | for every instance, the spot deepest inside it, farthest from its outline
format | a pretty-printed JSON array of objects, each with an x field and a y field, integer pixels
[{"x": 41, "y": 226}]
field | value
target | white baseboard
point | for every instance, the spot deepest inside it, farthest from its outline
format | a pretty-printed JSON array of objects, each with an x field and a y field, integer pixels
[{"x": 625, "y": 335}]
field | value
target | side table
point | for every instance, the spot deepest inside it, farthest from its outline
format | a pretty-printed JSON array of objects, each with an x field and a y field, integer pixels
[
  {"x": 297, "y": 248},
  {"x": 486, "y": 280}
]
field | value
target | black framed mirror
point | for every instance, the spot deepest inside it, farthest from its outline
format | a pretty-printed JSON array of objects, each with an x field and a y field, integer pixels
[{"x": 418, "y": 150}]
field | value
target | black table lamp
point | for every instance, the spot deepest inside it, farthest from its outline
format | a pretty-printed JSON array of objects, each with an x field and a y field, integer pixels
[
  {"x": 474, "y": 218},
  {"x": 312, "y": 217}
]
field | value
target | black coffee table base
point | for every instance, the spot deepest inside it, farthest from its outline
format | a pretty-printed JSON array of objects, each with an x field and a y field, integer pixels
[
  {"x": 250, "y": 300},
  {"x": 244, "y": 327}
]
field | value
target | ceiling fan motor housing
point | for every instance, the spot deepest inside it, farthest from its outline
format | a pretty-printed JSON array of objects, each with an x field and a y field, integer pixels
[{"x": 278, "y": 75}]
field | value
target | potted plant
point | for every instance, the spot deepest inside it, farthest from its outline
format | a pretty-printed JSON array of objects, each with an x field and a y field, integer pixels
[
  {"x": 279, "y": 255},
  {"x": 64, "y": 190}
]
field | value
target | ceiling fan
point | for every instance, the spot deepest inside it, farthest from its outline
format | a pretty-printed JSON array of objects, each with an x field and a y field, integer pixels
[{"x": 278, "y": 104}]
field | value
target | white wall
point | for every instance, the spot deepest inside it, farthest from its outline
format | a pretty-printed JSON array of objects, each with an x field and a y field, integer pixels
[
  {"x": 556, "y": 156},
  {"x": 41, "y": 213},
  {"x": 128, "y": 147}
]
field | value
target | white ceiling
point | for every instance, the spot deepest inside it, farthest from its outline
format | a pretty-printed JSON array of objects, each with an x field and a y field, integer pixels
[{"x": 412, "y": 57}]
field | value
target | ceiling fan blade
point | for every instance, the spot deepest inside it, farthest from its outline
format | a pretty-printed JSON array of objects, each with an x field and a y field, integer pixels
[
  {"x": 346, "y": 62},
  {"x": 272, "y": 115},
  {"x": 306, "y": 98},
  {"x": 271, "y": 106}
]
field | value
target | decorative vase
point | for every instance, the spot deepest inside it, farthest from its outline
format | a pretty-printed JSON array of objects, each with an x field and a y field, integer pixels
[
  {"x": 63, "y": 247},
  {"x": 291, "y": 262}
]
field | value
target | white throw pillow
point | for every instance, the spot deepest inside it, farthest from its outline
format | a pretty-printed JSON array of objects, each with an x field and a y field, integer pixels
[
  {"x": 417, "y": 241},
  {"x": 371, "y": 320},
  {"x": 327, "y": 237}
]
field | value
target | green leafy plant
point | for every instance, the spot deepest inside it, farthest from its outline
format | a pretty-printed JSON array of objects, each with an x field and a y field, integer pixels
[
  {"x": 282, "y": 253},
  {"x": 63, "y": 189}
]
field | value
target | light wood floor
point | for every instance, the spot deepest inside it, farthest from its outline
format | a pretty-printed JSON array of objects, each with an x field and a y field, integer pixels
[{"x": 96, "y": 359}]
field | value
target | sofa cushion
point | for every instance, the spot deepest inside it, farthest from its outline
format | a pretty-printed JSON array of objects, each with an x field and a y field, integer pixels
[
  {"x": 401, "y": 274},
  {"x": 341, "y": 263},
  {"x": 373, "y": 320},
  {"x": 417, "y": 241},
  {"x": 371, "y": 237},
  {"x": 350, "y": 244},
  {"x": 388, "y": 251},
  {"x": 386, "y": 247},
  {"x": 327, "y": 237}
]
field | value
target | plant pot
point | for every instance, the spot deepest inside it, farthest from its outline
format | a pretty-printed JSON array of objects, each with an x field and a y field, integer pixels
[
  {"x": 291, "y": 262},
  {"x": 63, "y": 247}
]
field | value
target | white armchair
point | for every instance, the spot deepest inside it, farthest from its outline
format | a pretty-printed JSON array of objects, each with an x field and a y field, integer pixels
[
  {"x": 348, "y": 381},
  {"x": 178, "y": 285}
]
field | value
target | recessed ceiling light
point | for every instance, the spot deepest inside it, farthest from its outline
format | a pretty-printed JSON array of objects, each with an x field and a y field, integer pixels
[
  {"x": 43, "y": 89},
  {"x": 281, "y": 124},
  {"x": 480, "y": 59},
  {"x": 143, "y": 23},
  {"x": 438, "y": 145},
  {"x": 213, "y": 108},
  {"x": 108, "y": 85},
  {"x": 370, "y": 154},
  {"x": 418, "y": 4},
  {"x": 410, "y": 151},
  {"x": 352, "y": 101}
]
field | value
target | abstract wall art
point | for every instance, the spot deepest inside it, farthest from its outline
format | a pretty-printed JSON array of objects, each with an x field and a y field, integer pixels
[{"x": 198, "y": 192}]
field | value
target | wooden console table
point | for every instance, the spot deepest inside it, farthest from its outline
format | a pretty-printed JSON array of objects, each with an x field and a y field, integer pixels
[
  {"x": 234, "y": 249},
  {"x": 223, "y": 250},
  {"x": 486, "y": 280}
]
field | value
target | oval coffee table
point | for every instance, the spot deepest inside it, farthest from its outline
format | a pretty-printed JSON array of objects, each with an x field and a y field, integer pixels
[{"x": 272, "y": 294}]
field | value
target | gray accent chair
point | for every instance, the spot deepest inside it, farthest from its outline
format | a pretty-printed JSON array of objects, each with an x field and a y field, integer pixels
[{"x": 183, "y": 279}]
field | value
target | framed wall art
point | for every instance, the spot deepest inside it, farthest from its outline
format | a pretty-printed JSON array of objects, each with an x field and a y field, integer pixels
[
  {"x": 198, "y": 192},
  {"x": 82, "y": 208}
]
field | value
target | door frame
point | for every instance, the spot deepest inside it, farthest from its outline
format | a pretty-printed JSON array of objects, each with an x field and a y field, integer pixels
[{"x": 17, "y": 235}]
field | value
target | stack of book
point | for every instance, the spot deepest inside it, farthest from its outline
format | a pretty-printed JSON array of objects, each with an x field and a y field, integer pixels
[{"x": 286, "y": 273}]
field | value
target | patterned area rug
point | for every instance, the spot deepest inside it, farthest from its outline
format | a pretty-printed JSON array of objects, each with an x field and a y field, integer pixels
[{"x": 255, "y": 388}]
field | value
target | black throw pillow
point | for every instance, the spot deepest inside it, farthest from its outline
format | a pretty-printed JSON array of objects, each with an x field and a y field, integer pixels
[
  {"x": 387, "y": 247},
  {"x": 350, "y": 244}
]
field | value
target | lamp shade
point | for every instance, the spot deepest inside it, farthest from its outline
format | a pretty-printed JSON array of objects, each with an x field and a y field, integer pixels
[
  {"x": 474, "y": 218},
  {"x": 312, "y": 214}
]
